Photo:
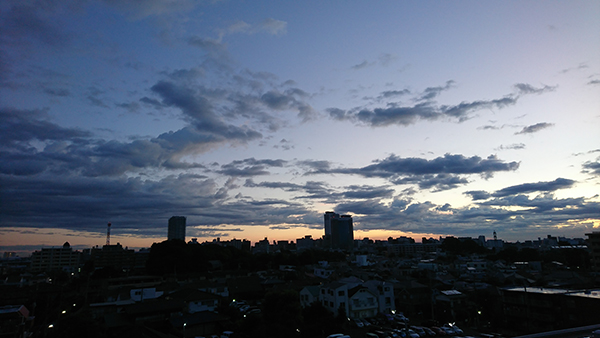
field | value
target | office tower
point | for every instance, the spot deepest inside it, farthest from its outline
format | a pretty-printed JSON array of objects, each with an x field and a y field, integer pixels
[
  {"x": 339, "y": 231},
  {"x": 329, "y": 215},
  {"x": 176, "y": 228}
]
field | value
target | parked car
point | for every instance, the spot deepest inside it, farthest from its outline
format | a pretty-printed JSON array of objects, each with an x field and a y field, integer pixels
[
  {"x": 454, "y": 329},
  {"x": 448, "y": 330},
  {"x": 357, "y": 322},
  {"x": 419, "y": 330},
  {"x": 429, "y": 332},
  {"x": 438, "y": 331},
  {"x": 412, "y": 334}
]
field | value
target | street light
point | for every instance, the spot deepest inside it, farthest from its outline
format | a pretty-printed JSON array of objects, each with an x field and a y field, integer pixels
[{"x": 184, "y": 325}]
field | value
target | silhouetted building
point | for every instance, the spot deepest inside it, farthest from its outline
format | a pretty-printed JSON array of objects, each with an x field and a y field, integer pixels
[
  {"x": 114, "y": 256},
  {"x": 341, "y": 231},
  {"x": 535, "y": 309},
  {"x": 49, "y": 259},
  {"x": 176, "y": 228},
  {"x": 304, "y": 243},
  {"x": 329, "y": 215},
  {"x": 593, "y": 243}
]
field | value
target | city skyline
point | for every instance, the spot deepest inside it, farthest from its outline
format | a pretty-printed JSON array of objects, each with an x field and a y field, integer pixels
[{"x": 419, "y": 119}]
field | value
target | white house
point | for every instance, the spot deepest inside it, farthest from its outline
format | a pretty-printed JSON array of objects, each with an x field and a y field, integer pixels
[
  {"x": 334, "y": 296},
  {"x": 309, "y": 295},
  {"x": 363, "y": 303},
  {"x": 385, "y": 295}
]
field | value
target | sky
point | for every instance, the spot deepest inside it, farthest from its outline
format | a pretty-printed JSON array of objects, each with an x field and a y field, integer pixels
[{"x": 253, "y": 118}]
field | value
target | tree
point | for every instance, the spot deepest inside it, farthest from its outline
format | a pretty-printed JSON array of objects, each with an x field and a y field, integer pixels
[{"x": 282, "y": 313}]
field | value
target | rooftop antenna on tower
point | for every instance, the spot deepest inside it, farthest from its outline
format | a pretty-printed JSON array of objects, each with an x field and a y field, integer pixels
[
  {"x": 108, "y": 234},
  {"x": 495, "y": 237}
]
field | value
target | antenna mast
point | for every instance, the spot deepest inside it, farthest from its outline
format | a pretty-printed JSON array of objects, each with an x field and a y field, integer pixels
[{"x": 108, "y": 234}]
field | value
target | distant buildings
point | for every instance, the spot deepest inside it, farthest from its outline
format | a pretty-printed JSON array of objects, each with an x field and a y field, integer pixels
[
  {"x": 353, "y": 297},
  {"x": 49, "y": 259},
  {"x": 176, "y": 228},
  {"x": 339, "y": 231},
  {"x": 593, "y": 242}
]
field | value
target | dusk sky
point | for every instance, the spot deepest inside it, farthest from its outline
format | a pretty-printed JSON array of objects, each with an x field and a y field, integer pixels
[{"x": 253, "y": 118}]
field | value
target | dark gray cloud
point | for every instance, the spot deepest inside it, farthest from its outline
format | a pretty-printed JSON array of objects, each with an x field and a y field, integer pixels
[
  {"x": 439, "y": 182},
  {"x": 524, "y": 88},
  {"x": 544, "y": 202},
  {"x": 594, "y": 82},
  {"x": 448, "y": 164},
  {"x": 28, "y": 125},
  {"x": 26, "y": 23},
  {"x": 427, "y": 109},
  {"x": 520, "y": 189},
  {"x": 559, "y": 183},
  {"x": 250, "y": 167},
  {"x": 592, "y": 167},
  {"x": 478, "y": 194},
  {"x": 57, "y": 92},
  {"x": 534, "y": 128},
  {"x": 133, "y": 205},
  {"x": 140, "y": 9},
  {"x": 431, "y": 93},
  {"x": 499, "y": 214},
  {"x": 384, "y": 59},
  {"x": 441, "y": 173},
  {"x": 367, "y": 192},
  {"x": 514, "y": 146},
  {"x": 33, "y": 144}
]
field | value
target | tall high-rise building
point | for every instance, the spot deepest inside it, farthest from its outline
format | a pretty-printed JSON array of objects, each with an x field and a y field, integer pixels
[
  {"x": 329, "y": 215},
  {"x": 176, "y": 228},
  {"x": 339, "y": 231}
]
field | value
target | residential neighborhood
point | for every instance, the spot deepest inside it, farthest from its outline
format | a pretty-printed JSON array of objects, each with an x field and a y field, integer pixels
[{"x": 393, "y": 288}]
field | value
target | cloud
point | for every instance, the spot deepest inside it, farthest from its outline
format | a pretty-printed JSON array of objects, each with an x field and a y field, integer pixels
[
  {"x": 24, "y": 23},
  {"x": 559, "y": 183},
  {"x": 361, "y": 65},
  {"x": 270, "y": 26},
  {"x": 534, "y": 128},
  {"x": 22, "y": 126},
  {"x": 592, "y": 167},
  {"x": 284, "y": 144},
  {"x": 140, "y": 9},
  {"x": 524, "y": 88},
  {"x": 34, "y": 145},
  {"x": 478, "y": 194},
  {"x": 273, "y": 26},
  {"x": 427, "y": 109},
  {"x": 441, "y": 173},
  {"x": 439, "y": 182},
  {"x": 393, "y": 93},
  {"x": 134, "y": 206},
  {"x": 61, "y": 92},
  {"x": 384, "y": 60},
  {"x": 514, "y": 146},
  {"x": 367, "y": 192},
  {"x": 431, "y": 93},
  {"x": 249, "y": 167},
  {"x": 212, "y": 46},
  {"x": 515, "y": 216},
  {"x": 594, "y": 82}
]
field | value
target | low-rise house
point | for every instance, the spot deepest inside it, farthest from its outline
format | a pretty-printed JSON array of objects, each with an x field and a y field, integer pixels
[
  {"x": 196, "y": 300},
  {"x": 362, "y": 303},
  {"x": 385, "y": 295},
  {"x": 309, "y": 295}
]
